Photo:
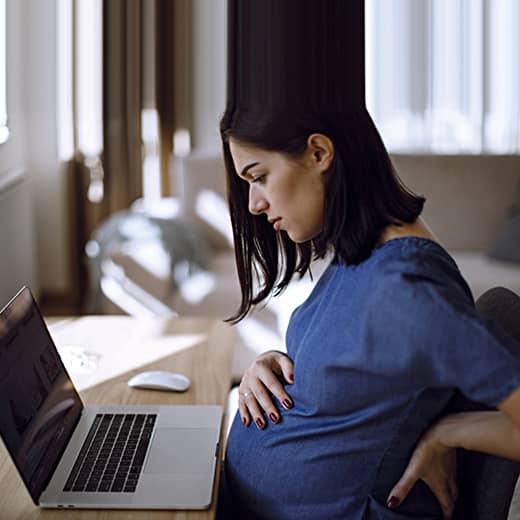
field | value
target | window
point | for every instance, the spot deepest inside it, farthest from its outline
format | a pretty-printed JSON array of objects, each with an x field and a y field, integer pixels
[
  {"x": 4, "y": 130},
  {"x": 444, "y": 75},
  {"x": 79, "y": 83}
]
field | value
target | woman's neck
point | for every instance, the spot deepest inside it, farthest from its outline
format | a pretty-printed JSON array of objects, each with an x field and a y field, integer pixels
[{"x": 416, "y": 229}]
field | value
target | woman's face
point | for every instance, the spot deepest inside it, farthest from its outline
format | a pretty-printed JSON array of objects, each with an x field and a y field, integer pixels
[{"x": 289, "y": 192}]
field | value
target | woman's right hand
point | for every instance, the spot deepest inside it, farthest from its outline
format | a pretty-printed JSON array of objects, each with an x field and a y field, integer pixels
[
  {"x": 434, "y": 462},
  {"x": 260, "y": 383}
]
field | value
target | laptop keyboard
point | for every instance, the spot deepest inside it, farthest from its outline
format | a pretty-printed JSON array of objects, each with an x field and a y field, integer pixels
[{"x": 112, "y": 455}]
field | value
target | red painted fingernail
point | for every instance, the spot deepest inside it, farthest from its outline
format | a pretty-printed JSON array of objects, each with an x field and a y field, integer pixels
[
  {"x": 259, "y": 423},
  {"x": 291, "y": 377},
  {"x": 287, "y": 403},
  {"x": 393, "y": 502},
  {"x": 244, "y": 421},
  {"x": 273, "y": 418}
]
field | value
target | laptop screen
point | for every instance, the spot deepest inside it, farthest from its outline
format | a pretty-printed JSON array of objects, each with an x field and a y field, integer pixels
[{"x": 39, "y": 406}]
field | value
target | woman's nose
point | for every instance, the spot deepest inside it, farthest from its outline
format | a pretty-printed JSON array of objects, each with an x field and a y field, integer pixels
[{"x": 257, "y": 203}]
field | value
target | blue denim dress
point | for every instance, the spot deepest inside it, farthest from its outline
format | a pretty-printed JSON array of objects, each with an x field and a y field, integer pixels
[{"x": 379, "y": 350}]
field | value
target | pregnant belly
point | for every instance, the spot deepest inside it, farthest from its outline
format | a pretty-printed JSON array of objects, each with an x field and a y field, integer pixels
[
  {"x": 308, "y": 468},
  {"x": 290, "y": 469}
]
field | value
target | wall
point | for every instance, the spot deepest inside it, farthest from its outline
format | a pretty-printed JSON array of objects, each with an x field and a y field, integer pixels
[
  {"x": 11, "y": 157},
  {"x": 39, "y": 30},
  {"x": 17, "y": 259},
  {"x": 37, "y": 230},
  {"x": 16, "y": 236}
]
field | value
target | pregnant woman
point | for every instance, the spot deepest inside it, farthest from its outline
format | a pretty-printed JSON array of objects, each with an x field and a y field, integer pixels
[{"x": 378, "y": 350}]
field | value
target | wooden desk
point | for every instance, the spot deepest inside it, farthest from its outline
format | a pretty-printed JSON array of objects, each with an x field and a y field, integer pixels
[{"x": 101, "y": 353}]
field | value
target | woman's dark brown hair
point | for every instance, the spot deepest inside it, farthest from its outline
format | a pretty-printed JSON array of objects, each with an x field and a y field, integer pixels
[{"x": 363, "y": 195}]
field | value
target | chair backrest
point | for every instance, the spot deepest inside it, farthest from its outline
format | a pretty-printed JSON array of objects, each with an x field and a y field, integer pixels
[{"x": 486, "y": 483}]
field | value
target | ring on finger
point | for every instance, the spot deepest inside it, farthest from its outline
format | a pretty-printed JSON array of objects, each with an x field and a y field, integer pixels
[{"x": 245, "y": 395}]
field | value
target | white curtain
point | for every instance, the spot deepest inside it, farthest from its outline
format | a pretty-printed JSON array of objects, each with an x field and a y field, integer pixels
[{"x": 444, "y": 75}]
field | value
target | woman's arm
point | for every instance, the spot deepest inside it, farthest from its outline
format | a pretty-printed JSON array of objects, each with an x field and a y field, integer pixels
[
  {"x": 493, "y": 432},
  {"x": 511, "y": 408},
  {"x": 488, "y": 432}
]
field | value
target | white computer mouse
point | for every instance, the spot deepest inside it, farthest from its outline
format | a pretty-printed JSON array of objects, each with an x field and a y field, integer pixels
[{"x": 160, "y": 380}]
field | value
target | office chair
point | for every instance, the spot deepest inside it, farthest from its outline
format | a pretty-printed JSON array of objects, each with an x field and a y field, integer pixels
[{"x": 486, "y": 483}]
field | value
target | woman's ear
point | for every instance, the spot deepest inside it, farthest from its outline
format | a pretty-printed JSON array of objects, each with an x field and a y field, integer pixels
[{"x": 320, "y": 149}]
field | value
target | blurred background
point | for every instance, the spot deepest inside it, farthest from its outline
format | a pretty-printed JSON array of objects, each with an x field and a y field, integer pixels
[{"x": 112, "y": 192}]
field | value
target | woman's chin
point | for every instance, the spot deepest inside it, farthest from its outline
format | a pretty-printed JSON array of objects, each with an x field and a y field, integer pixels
[
  {"x": 301, "y": 237},
  {"x": 294, "y": 237}
]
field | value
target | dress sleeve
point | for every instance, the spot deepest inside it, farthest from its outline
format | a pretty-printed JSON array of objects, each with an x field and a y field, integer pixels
[{"x": 425, "y": 331}]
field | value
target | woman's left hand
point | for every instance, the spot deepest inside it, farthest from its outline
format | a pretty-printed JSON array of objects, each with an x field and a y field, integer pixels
[{"x": 434, "y": 463}]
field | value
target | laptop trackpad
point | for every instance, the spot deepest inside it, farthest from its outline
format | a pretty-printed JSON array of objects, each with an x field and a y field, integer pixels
[{"x": 181, "y": 450}]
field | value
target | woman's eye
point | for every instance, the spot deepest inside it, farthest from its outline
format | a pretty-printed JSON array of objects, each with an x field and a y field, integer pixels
[{"x": 259, "y": 179}]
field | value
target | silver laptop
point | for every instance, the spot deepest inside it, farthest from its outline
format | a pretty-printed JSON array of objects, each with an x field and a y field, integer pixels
[{"x": 75, "y": 456}]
